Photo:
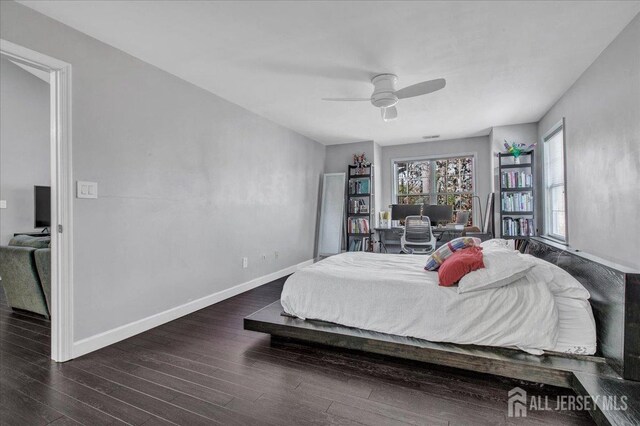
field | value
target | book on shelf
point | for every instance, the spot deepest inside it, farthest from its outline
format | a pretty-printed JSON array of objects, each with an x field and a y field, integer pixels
[
  {"x": 358, "y": 206},
  {"x": 357, "y": 225},
  {"x": 518, "y": 227},
  {"x": 359, "y": 244},
  {"x": 515, "y": 179},
  {"x": 359, "y": 186},
  {"x": 517, "y": 202}
]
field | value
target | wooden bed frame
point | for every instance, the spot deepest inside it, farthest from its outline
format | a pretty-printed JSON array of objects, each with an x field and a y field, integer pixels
[{"x": 615, "y": 299}]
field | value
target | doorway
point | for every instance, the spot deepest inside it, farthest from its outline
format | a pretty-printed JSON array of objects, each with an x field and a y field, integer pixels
[{"x": 61, "y": 187}]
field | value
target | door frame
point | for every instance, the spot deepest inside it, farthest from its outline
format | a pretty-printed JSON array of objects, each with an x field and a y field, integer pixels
[{"x": 61, "y": 194}]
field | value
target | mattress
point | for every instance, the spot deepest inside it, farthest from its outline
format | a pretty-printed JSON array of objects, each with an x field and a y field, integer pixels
[{"x": 393, "y": 294}]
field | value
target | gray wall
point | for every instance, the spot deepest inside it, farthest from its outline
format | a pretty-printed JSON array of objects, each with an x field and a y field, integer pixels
[
  {"x": 477, "y": 145},
  {"x": 188, "y": 182},
  {"x": 24, "y": 146},
  {"x": 602, "y": 135},
  {"x": 526, "y": 133},
  {"x": 341, "y": 156}
]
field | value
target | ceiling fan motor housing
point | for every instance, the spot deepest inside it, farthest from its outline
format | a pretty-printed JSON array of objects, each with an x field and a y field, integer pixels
[{"x": 384, "y": 90}]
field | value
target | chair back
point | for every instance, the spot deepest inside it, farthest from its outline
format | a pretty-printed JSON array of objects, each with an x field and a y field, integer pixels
[{"x": 417, "y": 229}]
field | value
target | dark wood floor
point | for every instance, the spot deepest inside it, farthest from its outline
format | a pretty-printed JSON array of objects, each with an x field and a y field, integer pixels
[{"x": 205, "y": 369}]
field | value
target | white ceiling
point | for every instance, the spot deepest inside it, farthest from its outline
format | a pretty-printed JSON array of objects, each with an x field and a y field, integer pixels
[{"x": 504, "y": 62}]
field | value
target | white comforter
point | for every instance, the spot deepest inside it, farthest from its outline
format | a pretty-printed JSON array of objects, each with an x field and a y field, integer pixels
[{"x": 393, "y": 294}]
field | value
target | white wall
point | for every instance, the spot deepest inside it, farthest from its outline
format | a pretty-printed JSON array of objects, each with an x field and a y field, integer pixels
[
  {"x": 188, "y": 183},
  {"x": 477, "y": 145},
  {"x": 24, "y": 146},
  {"x": 602, "y": 134}
]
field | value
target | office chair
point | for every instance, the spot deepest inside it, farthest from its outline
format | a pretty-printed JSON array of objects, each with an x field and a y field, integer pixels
[{"x": 417, "y": 237}]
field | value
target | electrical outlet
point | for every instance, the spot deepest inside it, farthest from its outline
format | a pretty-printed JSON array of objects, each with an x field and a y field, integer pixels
[
  {"x": 245, "y": 262},
  {"x": 276, "y": 254},
  {"x": 3, "y": 204}
]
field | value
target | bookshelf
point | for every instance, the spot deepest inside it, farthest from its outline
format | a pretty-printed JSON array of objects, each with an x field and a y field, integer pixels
[
  {"x": 517, "y": 195},
  {"x": 359, "y": 208}
]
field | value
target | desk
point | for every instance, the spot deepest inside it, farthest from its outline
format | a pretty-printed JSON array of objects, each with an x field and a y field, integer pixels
[{"x": 391, "y": 236}]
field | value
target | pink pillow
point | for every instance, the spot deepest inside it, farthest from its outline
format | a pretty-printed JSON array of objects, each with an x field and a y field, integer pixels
[{"x": 460, "y": 264}]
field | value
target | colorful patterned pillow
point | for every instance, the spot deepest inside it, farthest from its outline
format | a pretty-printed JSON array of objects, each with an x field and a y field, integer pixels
[{"x": 436, "y": 258}]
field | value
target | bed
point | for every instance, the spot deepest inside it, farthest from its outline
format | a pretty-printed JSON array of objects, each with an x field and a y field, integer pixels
[
  {"x": 613, "y": 369},
  {"x": 393, "y": 294}
]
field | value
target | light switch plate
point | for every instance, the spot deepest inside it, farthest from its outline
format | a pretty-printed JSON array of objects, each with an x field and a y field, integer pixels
[
  {"x": 3, "y": 204},
  {"x": 86, "y": 189}
]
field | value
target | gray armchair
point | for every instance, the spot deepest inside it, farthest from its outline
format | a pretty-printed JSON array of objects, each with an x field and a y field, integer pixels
[
  {"x": 26, "y": 277},
  {"x": 43, "y": 264}
]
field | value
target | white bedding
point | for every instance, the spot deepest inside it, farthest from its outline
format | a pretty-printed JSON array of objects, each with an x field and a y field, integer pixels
[
  {"x": 393, "y": 294},
  {"x": 576, "y": 328}
]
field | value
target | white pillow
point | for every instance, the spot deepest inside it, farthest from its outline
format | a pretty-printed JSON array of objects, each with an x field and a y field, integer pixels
[
  {"x": 565, "y": 285},
  {"x": 562, "y": 283},
  {"x": 495, "y": 243},
  {"x": 501, "y": 267}
]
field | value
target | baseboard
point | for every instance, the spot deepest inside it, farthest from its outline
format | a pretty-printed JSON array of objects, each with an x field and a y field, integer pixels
[{"x": 110, "y": 337}]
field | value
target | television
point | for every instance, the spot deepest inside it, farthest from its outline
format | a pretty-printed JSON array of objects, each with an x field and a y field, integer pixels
[{"x": 42, "y": 206}]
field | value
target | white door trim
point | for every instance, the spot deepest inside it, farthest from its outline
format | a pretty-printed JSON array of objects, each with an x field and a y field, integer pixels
[{"x": 61, "y": 195}]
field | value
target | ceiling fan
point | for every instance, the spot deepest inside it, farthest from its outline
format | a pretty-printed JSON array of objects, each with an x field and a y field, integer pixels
[{"x": 385, "y": 96}]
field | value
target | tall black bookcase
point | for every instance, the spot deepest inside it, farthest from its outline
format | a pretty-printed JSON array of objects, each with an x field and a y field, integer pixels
[
  {"x": 359, "y": 208},
  {"x": 517, "y": 196}
]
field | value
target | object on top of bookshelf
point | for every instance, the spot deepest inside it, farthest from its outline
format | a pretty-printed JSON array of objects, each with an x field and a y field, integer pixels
[
  {"x": 516, "y": 149},
  {"x": 360, "y": 160}
]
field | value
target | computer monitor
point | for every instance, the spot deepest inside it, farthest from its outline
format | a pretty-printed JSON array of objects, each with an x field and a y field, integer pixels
[
  {"x": 401, "y": 211},
  {"x": 438, "y": 213},
  {"x": 42, "y": 206}
]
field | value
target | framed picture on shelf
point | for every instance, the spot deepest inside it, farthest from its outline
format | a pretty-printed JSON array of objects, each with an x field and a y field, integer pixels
[{"x": 364, "y": 208}]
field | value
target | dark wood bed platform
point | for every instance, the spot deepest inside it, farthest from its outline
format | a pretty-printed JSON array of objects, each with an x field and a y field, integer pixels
[{"x": 613, "y": 370}]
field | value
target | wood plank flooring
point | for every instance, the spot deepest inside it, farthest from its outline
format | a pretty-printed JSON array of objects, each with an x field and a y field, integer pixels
[{"x": 204, "y": 369}]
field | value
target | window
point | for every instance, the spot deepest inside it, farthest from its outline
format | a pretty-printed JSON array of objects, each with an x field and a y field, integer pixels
[
  {"x": 555, "y": 218},
  {"x": 436, "y": 181}
]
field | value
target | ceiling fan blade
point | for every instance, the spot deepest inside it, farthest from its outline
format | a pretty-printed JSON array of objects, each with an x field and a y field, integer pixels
[
  {"x": 346, "y": 99},
  {"x": 421, "y": 88},
  {"x": 389, "y": 114}
]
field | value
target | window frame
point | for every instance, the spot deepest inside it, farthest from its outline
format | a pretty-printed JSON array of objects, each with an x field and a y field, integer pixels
[
  {"x": 394, "y": 174},
  {"x": 547, "y": 213}
]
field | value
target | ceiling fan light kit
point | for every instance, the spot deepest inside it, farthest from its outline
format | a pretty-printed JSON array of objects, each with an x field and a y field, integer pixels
[
  {"x": 384, "y": 92},
  {"x": 385, "y": 96}
]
